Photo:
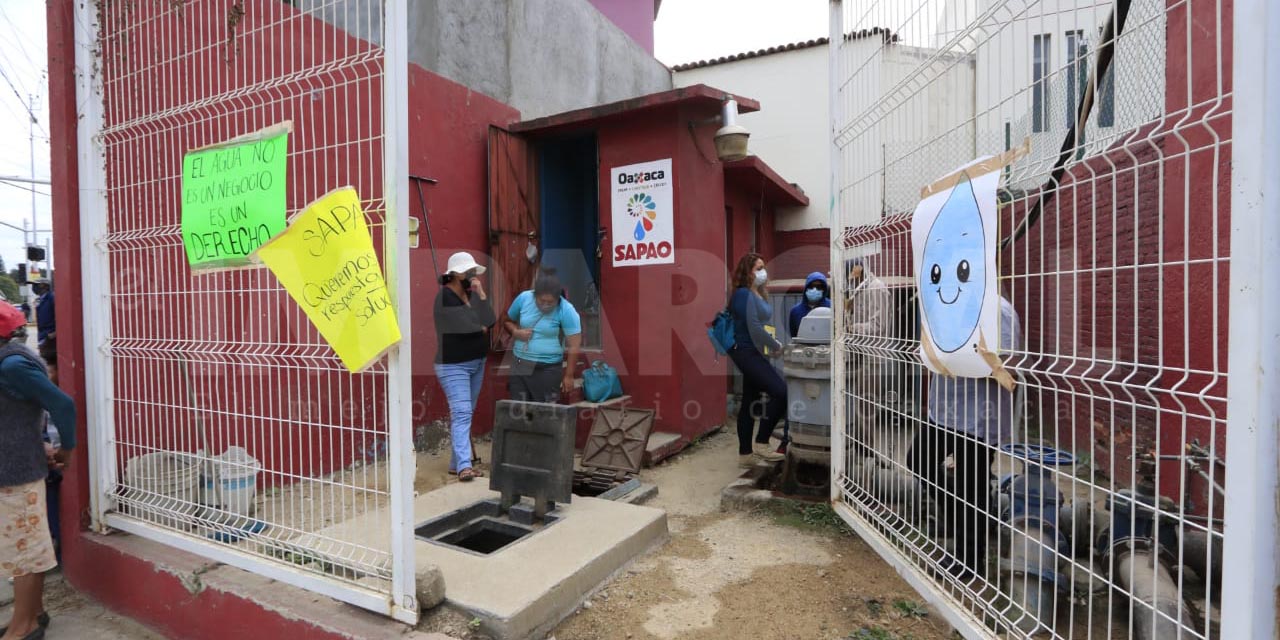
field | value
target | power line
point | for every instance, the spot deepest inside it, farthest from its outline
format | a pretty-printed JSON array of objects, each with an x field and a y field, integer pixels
[
  {"x": 23, "y": 187},
  {"x": 16, "y": 37},
  {"x": 25, "y": 105}
]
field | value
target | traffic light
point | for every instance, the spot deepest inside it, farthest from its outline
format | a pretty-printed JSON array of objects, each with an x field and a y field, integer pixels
[
  {"x": 22, "y": 273},
  {"x": 35, "y": 254}
]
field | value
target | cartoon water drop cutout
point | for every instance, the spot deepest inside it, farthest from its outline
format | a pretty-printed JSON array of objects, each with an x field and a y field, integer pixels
[
  {"x": 639, "y": 232},
  {"x": 952, "y": 276}
]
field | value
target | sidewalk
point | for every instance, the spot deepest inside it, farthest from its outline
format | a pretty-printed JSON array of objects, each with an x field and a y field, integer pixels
[{"x": 76, "y": 616}]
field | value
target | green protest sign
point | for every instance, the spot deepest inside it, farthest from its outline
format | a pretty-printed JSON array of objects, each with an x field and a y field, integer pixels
[{"x": 233, "y": 198}]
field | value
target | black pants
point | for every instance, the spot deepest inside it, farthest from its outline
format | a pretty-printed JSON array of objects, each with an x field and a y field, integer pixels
[
  {"x": 535, "y": 382},
  {"x": 759, "y": 379},
  {"x": 961, "y": 500}
]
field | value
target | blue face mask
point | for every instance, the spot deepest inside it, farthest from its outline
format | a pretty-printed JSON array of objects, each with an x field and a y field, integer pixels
[{"x": 813, "y": 295}]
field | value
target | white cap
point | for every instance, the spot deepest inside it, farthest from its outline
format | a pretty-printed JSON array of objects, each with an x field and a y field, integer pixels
[{"x": 462, "y": 262}]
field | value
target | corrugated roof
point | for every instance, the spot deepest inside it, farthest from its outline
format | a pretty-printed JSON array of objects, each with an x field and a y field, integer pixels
[{"x": 887, "y": 35}]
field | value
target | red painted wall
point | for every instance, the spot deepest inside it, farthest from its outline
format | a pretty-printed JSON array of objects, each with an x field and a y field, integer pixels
[
  {"x": 1132, "y": 334},
  {"x": 448, "y": 139},
  {"x": 656, "y": 315},
  {"x": 65, "y": 196},
  {"x": 800, "y": 253}
]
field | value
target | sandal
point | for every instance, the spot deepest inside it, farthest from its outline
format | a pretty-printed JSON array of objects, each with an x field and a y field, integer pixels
[
  {"x": 469, "y": 474},
  {"x": 42, "y": 622}
]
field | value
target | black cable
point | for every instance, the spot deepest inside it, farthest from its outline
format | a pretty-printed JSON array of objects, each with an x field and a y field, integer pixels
[{"x": 1106, "y": 53}]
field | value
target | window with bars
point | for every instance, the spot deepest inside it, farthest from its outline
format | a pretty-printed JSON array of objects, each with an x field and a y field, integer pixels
[{"x": 1039, "y": 82}]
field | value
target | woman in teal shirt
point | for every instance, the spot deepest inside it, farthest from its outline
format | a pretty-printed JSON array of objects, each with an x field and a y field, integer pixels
[{"x": 536, "y": 320}]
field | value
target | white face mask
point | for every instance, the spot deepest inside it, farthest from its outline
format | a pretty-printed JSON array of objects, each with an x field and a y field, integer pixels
[{"x": 762, "y": 277}]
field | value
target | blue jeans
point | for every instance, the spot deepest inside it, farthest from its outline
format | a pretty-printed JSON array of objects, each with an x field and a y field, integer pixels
[{"x": 461, "y": 383}]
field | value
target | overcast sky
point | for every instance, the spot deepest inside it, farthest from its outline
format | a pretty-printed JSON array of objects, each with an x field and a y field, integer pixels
[
  {"x": 691, "y": 30},
  {"x": 22, "y": 61}
]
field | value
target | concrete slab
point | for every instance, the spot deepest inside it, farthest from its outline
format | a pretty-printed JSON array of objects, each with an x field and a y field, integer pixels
[
  {"x": 525, "y": 589},
  {"x": 662, "y": 445}
]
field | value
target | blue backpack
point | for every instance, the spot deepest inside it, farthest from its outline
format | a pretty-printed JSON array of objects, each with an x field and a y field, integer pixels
[{"x": 720, "y": 330}]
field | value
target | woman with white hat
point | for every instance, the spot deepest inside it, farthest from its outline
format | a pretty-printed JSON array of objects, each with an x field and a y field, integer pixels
[{"x": 463, "y": 317}]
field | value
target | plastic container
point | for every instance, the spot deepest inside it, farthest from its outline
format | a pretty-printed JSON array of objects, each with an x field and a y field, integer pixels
[
  {"x": 237, "y": 480},
  {"x": 166, "y": 485}
]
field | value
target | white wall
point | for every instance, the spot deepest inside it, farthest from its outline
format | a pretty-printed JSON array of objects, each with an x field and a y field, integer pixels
[
  {"x": 790, "y": 130},
  {"x": 928, "y": 134},
  {"x": 1004, "y": 76}
]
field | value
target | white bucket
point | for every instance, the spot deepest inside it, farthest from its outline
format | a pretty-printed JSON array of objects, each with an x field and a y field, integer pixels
[
  {"x": 166, "y": 483},
  {"x": 237, "y": 480}
]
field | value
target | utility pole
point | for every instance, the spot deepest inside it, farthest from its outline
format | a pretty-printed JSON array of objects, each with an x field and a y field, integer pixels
[{"x": 31, "y": 138}]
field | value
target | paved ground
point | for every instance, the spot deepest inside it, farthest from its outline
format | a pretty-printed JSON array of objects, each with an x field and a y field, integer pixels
[{"x": 75, "y": 616}]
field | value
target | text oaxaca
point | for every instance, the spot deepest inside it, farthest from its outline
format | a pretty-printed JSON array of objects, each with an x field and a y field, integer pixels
[{"x": 641, "y": 177}]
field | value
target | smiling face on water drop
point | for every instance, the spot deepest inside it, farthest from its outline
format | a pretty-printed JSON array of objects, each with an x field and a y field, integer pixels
[{"x": 952, "y": 276}]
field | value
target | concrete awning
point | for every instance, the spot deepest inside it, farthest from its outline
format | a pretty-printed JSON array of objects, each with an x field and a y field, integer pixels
[
  {"x": 751, "y": 174},
  {"x": 698, "y": 95}
]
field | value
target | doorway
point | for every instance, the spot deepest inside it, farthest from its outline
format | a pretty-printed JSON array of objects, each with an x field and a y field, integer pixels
[{"x": 570, "y": 219}]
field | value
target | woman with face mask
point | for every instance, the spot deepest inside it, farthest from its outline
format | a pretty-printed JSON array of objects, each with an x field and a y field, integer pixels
[
  {"x": 537, "y": 318},
  {"x": 764, "y": 394},
  {"x": 815, "y": 295},
  {"x": 463, "y": 317}
]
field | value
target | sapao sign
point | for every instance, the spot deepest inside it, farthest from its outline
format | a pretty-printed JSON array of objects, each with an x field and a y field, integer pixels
[
  {"x": 326, "y": 261},
  {"x": 233, "y": 198},
  {"x": 643, "y": 214}
]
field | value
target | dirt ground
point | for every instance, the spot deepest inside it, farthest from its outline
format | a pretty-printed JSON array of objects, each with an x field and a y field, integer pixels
[
  {"x": 732, "y": 575},
  {"x": 76, "y": 616}
]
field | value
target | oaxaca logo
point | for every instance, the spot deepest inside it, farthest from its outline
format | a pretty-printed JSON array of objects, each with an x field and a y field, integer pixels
[
  {"x": 642, "y": 207},
  {"x": 641, "y": 177}
]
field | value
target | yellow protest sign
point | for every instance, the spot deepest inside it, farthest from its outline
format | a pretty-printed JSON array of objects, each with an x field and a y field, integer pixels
[{"x": 325, "y": 260}]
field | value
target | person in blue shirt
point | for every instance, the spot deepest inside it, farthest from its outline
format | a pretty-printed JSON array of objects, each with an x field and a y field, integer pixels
[
  {"x": 816, "y": 294},
  {"x": 537, "y": 318},
  {"x": 26, "y": 548},
  {"x": 764, "y": 394}
]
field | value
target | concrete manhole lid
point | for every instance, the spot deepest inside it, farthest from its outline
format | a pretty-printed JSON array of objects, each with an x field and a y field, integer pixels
[{"x": 618, "y": 438}]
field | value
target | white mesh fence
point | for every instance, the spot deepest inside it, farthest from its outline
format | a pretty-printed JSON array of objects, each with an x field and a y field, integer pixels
[
  {"x": 227, "y": 426},
  {"x": 1087, "y": 502}
]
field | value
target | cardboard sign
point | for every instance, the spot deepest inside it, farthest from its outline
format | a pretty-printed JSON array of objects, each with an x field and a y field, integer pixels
[
  {"x": 326, "y": 261},
  {"x": 643, "y": 214},
  {"x": 233, "y": 198},
  {"x": 953, "y": 232}
]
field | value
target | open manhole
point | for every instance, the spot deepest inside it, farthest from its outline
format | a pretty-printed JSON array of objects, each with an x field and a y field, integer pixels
[
  {"x": 480, "y": 529},
  {"x": 484, "y": 536}
]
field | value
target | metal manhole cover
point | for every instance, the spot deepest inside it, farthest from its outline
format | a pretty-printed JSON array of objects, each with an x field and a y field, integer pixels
[{"x": 618, "y": 439}]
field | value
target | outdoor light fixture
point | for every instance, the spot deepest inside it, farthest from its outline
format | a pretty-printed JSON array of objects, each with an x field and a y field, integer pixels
[{"x": 731, "y": 139}]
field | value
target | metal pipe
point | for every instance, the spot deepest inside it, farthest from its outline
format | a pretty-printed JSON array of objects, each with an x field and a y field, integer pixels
[
  {"x": 1031, "y": 553},
  {"x": 1196, "y": 555},
  {"x": 1157, "y": 610}
]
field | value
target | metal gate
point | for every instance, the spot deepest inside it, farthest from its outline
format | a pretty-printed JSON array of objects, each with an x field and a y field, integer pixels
[
  {"x": 1098, "y": 497},
  {"x": 220, "y": 421}
]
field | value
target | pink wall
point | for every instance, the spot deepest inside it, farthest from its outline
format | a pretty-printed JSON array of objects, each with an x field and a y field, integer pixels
[{"x": 635, "y": 17}]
